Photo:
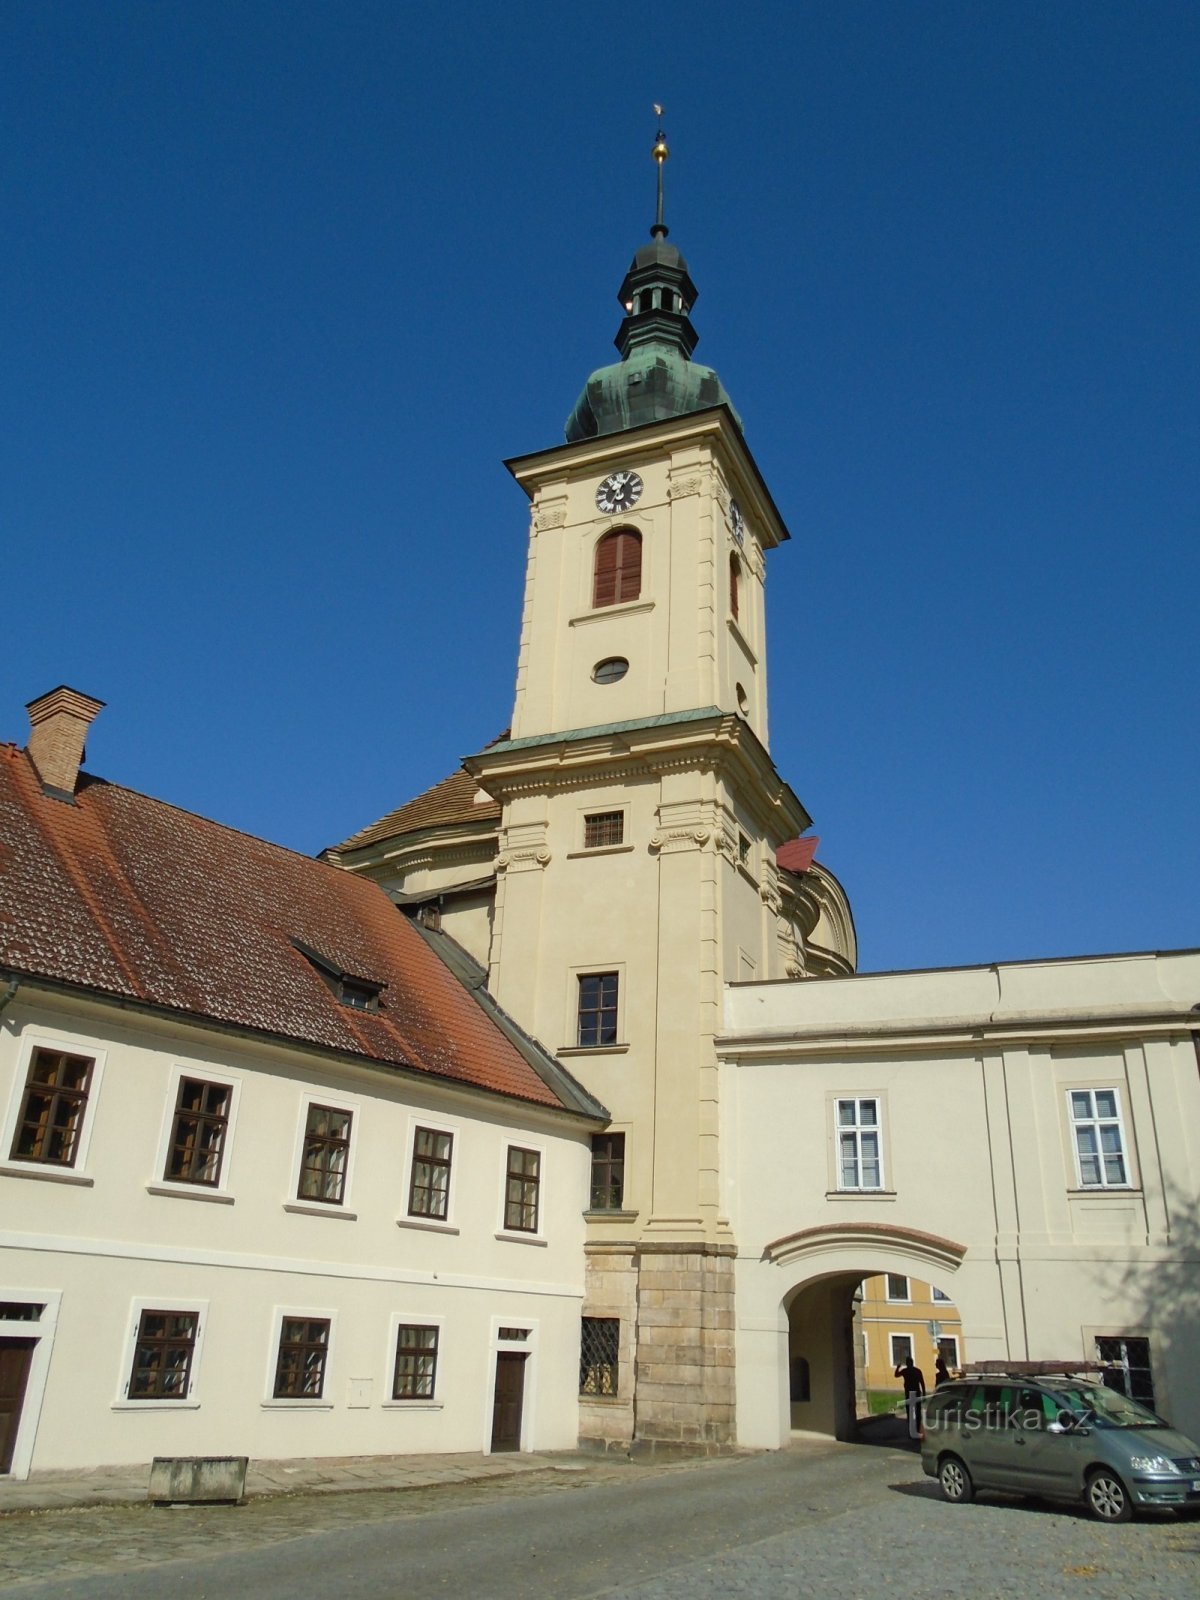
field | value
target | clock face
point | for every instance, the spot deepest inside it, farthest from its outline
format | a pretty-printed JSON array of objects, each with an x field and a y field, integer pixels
[
  {"x": 737, "y": 522},
  {"x": 620, "y": 491}
]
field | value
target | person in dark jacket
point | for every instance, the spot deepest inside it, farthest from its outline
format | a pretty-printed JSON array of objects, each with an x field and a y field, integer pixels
[{"x": 914, "y": 1393}]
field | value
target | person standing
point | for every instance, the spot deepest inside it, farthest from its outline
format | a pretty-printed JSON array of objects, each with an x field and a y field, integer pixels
[{"x": 914, "y": 1393}]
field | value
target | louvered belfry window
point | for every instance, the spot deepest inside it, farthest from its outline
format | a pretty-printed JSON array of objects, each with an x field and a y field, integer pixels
[{"x": 618, "y": 571}]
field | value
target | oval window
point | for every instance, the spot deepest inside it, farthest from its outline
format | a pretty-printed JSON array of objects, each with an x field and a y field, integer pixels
[{"x": 611, "y": 670}]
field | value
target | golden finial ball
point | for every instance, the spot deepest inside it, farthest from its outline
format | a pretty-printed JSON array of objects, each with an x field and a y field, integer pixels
[{"x": 660, "y": 151}]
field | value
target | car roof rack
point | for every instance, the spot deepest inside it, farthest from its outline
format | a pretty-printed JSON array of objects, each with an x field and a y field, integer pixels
[{"x": 1035, "y": 1369}]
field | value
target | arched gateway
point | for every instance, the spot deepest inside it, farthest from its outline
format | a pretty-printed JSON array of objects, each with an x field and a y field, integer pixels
[{"x": 796, "y": 1356}]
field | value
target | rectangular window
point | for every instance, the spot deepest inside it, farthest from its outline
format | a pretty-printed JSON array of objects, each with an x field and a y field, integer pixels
[
  {"x": 415, "y": 1376},
  {"x": 53, "y": 1108},
  {"x": 303, "y": 1352},
  {"x": 743, "y": 850},
  {"x": 162, "y": 1355},
  {"x": 860, "y": 1145},
  {"x": 948, "y": 1350},
  {"x": 1099, "y": 1141},
  {"x": 897, "y": 1286},
  {"x": 198, "y": 1132},
  {"x": 608, "y": 1171},
  {"x": 521, "y": 1190},
  {"x": 598, "y": 1347},
  {"x": 326, "y": 1153},
  {"x": 429, "y": 1187},
  {"x": 1130, "y": 1370},
  {"x": 603, "y": 827},
  {"x": 901, "y": 1347},
  {"x": 597, "y": 1008}
]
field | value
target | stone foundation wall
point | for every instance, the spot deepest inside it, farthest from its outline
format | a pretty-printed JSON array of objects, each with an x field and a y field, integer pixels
[{"x": 684, "y": 1394}]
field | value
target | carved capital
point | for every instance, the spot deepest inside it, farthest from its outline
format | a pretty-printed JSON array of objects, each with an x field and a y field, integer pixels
[
  {"x": 549, "y": 517},
  {"x": 680, "y": 488}
]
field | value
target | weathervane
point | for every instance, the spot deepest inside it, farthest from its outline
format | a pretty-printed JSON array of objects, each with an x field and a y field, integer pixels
[{"x": 660, "y": 154}]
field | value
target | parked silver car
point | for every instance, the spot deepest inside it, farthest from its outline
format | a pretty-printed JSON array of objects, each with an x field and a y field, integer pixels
[{"x": 1063, "y": 1437}]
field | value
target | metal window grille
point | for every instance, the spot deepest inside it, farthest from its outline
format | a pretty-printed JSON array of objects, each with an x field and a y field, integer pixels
[
  {"x": 303, "y": 1348},
  {"x": 198, "y": 1135},
  {"x": 603, "y": 827},
  {"x": 1096, "y": 1116},
  {"x": 162, "y": 1356},
  {"x": 608, "y": 1171},
  {"x": 326, "y": 1153},
  {"x": 599, "y": 1345},
  {"x": 429, "y": 1189},
  {"x": 416, "y": 1363},
  {"x": 56, "y": 1092},
  {"x": 521, "y": 1191},
  {"x": 598, "y": 1008},
  {"x": 859, "y": 1144},
  {"x": 1130, "y": 1371}
]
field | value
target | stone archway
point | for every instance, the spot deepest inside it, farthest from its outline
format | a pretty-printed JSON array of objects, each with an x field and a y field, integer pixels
[{"x": 814, "y": 1274}]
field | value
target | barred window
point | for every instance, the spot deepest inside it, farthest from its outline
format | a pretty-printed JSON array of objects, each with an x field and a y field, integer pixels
[
  {"x": 326, "y": 1154},
  {"x": 603, "y": 827},
  {"x": 162, "y": 1355},
  {"x": 599, "y": 1343},
  {"x": 198, "y": 1133},
  {"x": 52, "y": 1112},
  {"x": 416, "y": 1363},
  {"x": 303, "y": 1351},
  {"x": 608, "y": 1171},
  {"x": 597, "y": 1008},
  {"x": 521, "y": 1189},
  {"x": 429, "y": 1187}
]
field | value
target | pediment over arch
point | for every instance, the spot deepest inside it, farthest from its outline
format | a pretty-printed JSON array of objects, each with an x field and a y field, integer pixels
[{"x": 812, "y": 1243}]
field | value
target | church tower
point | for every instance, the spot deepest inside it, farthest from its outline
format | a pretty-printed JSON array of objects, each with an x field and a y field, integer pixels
[
  {"x": 641, "y": 815},
  {"x": 628, "y": 848}
]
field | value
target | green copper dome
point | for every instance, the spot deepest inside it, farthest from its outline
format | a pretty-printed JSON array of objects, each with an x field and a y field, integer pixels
[{"x": 656, "y": 377}]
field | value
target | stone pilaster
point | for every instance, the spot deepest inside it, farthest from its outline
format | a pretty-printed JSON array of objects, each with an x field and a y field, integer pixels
[{"x": 685, "y": 1360}]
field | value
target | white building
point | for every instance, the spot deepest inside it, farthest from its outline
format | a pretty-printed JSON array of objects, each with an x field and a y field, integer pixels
[{"x": 273, "y": 1181}]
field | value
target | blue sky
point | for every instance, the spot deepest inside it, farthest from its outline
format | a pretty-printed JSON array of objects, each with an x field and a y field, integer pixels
[{"x": 283, "y": 284}]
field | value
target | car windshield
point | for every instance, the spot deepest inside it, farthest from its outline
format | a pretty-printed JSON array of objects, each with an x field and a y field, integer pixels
[{"x": 1107, "y": 1408}]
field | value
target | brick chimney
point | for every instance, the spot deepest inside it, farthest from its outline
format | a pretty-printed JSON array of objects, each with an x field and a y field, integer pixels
[{"x": 58, "y": 725}]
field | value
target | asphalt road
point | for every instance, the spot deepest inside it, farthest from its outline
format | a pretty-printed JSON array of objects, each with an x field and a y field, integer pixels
[{"x": 845, "y": 1523}]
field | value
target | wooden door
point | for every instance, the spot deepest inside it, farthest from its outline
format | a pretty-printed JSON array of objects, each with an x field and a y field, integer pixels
[
  {"x": 509, "y": 1396},
  {"x": 16, "y": 1355}
]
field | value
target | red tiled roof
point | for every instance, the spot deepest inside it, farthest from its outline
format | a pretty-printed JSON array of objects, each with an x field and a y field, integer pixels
[
  {"x": 130, "y": 897},
  {"x": 796, "y": 855},
  {"x": 457, "y": 798}
]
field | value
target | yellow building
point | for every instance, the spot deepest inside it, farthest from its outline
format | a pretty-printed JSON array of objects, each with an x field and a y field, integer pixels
[{"x": 899, "y": 1316}]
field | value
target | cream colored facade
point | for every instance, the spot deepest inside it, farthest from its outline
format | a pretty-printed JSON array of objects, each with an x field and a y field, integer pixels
[
  {"x": 981, "y": 1078},
  {"x": 84, "y": 1250}
]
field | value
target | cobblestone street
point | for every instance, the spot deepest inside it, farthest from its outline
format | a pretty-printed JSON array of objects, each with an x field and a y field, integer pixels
[{"x": 841, "y": 1521}]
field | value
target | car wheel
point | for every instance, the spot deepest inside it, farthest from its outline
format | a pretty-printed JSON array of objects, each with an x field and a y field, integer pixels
[
  {"x": 955, "y": 1481},
  {"x": 1108, "y": 1498}
]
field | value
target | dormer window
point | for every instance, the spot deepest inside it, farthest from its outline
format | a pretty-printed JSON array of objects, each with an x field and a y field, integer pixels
[{"x": 347, "y": 988}]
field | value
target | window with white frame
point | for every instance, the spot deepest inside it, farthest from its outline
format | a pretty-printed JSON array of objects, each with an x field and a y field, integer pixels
[
  {"x": 429, "y": 1183},
  {"x": 199, "y": 1132},
  {"x": 325, "y": 1154},
  {"x": 901, "y": 1346},
  {"x": 1099, "y": 1138},
  {"x": 897, "y": 1286},
  {"x": 414, "y": 1375},
  {"x": 948, "y": 1350},
  {"x": 859, "y": 1144},
  {"x": 162, "y": 1353},
  {"x": 302, "y": 1357},
  {"x": 522, "y": 1186},
  {"x": 53, "y": 1107}
]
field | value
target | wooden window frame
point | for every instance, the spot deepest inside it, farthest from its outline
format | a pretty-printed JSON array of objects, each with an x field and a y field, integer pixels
[
  {"x": 415, "y": 1352},
  {"x": 283, "y": 1386},
  {"x": 608, "y": 1172},
  {"x": 146, "y": 1341},
  {"x": 55, "y": 1099},
  {"x": 522, "y": 1190},
  {"x": 617, "y": 579},
  {"x": 195, "y": 1157},
  {"x": 435, "y": 1163},
  {"x": 594, "y": 1006},
  {"x": 320, "y": 1153}
]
